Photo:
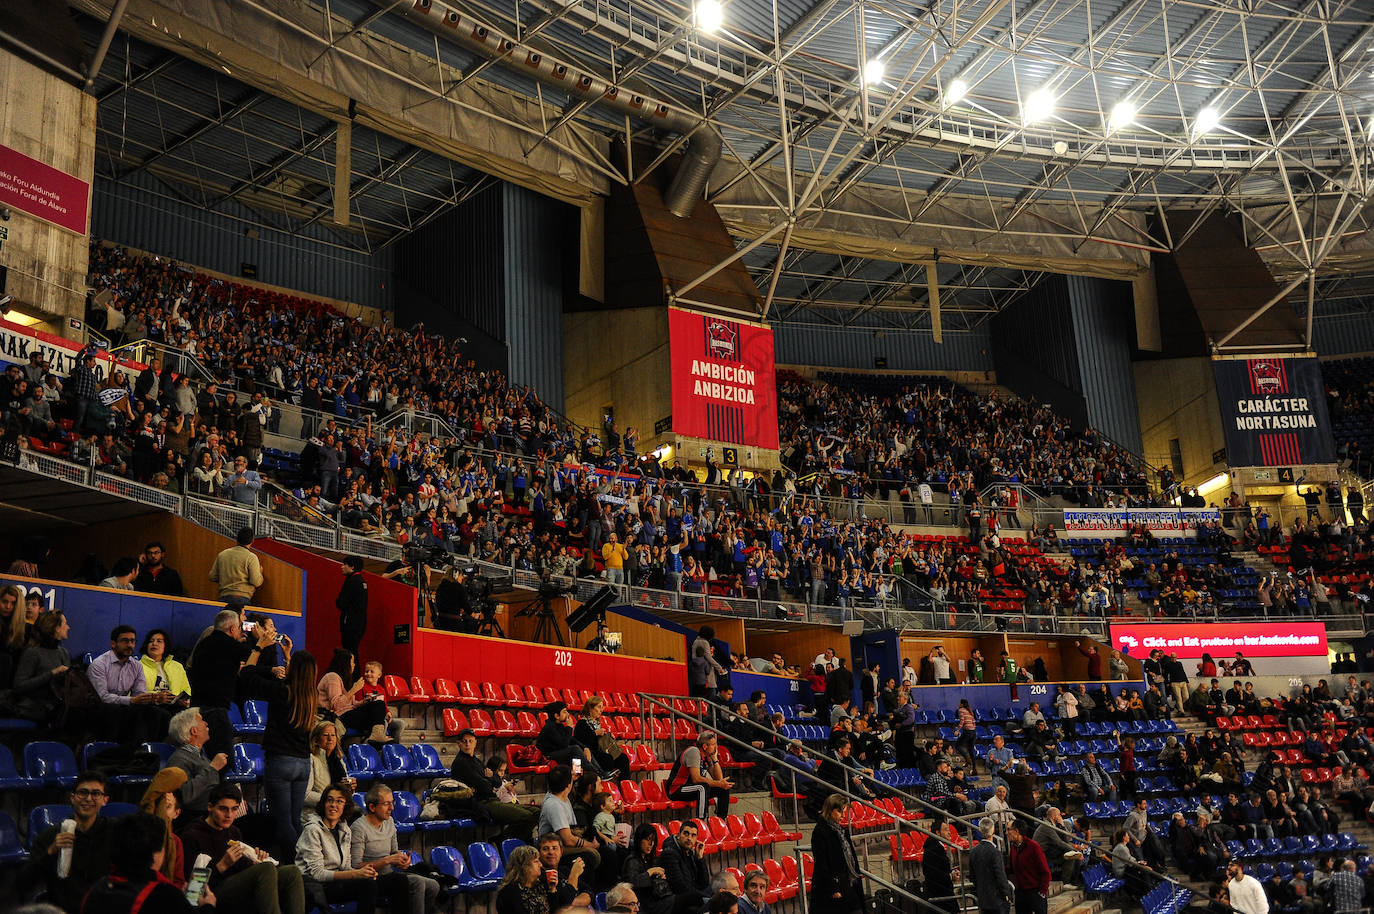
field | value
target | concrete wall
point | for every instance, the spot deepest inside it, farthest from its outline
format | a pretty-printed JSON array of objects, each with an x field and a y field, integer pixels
[
  {"x": 52, "y": 121},
  {"x": 618, "y": 358},
  {"x": 1178, "y": 399}
]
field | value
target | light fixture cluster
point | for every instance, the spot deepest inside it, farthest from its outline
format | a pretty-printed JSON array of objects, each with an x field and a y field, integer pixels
[{"x": 1036, "y": 107}]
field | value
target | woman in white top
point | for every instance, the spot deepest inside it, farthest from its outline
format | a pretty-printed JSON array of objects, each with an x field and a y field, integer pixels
[
  {"x": 375, "y": 845},
  {"x": 324, "y": 855}
]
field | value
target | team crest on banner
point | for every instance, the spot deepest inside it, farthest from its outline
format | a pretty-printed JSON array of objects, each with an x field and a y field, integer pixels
[{"x": 721, "y": 340}]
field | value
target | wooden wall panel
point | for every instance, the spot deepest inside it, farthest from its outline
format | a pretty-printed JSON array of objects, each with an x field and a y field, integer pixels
[
  {"x": 191, "y": 550},
  {"x": 799, "y": 646}
]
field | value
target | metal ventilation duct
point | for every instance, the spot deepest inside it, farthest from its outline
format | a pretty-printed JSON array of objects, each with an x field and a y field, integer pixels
[{"x": 703, "y": 145}]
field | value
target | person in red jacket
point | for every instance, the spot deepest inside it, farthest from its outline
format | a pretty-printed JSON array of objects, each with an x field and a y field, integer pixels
[{"x": 1029, "y": 871}]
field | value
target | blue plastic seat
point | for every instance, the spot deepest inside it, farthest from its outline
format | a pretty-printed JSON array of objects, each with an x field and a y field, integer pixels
[
  {"x": 509, "y": 845},
  {"x": 395, "y": 762},
  {"x": 94, "y": 748},
  {"x": 12, "y": 852},
  {"x": 161, "y": 750},
  {"x": 50, "y": 762},
  {"x": 246, "y": 765},
  {"x": 449, "y": 861},
  {"x": 47, "y": 816},
  {"x": 236, "y": 718},
  {"x": 118, "y": 810},
  {"x": 10, "y": 778},
  {"x": 425, "y": 762},
  {"x": 486, "y": 866},
  {"x": 1264, "y": 872},
  {"x": 406, "y": 812},
  {"x": 254, "y": 717},
  {"x": 364, "y": 762}
]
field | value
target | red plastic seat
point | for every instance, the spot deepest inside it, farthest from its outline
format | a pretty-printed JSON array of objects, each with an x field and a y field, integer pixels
[
  {"x": 503, "y": 723},
  {"x": 468, "y": 694},
  {"x": 772, "y": 826},
  {"x": 609, "y": 704},
  {"x": 419, "y": 692},
  {"x": 455, "y": 722},
  {"x": 739, "y": 833},
  {"x": 526, "y": 725},
  {"x": 663, "y": 730},
  {"x": 720, "y": 834},
  {"x": 490, "y": 696},
  {"x": 655, "y": 802},
  {"x": 614, "y": 791},
  {"x": 629, "y": 702},
  {"x": 645, "y": 758},
  {"x": 663, "y": 835},
  {"x": 532, "y": 697},
  {"x": 511, "y": 697},
  {"x": 395, "y": 688},
  {"x": 709, "y": 845},
  {"x": 753, "y": 827},
  {"x": 446, "y": 691},
  {"x": 572, "y": 699},
  {"x": 791, "y": 886},
  {"x": 632, "y": 798},
  {"x": 480, "y": 722},
  {"x": 543, "y": 766},
  {"x": 551, "y": 695}
]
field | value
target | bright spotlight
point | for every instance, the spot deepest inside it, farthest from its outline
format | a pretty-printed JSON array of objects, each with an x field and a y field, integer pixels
[
  {"x": 874, "y": 70},
  {"x": 1206, "y": 121},
  {"x": 1123, "y": 115},
  {"x": 1038, "y": 106},
  {"x": 710, "y": 15},
  {"x": 955, "y": 92}
]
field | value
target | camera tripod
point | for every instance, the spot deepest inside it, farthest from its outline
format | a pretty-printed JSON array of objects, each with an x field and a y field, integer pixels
[{"x": 546, "y": 629}]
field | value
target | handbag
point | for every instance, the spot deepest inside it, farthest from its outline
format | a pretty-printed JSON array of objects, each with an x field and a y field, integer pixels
[
  {"x": 659, "y": 888},
  {"x": 608, "y": 747}
]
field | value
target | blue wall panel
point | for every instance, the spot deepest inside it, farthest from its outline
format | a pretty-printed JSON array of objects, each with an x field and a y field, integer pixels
[
  {"x": 93, "y": 611},
  {"x": 1104, "y": 327},
  {"x": 144, "y": 213},
  {"x": 1344, "y": 334},
  {"x": 534, "y": 245},
  {"x": 1033, "y": 347},
  {"x": 856, "y": 347}
]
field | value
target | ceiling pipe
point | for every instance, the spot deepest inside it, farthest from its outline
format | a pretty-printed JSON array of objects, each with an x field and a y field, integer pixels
[{"x": 704, "y": 143}]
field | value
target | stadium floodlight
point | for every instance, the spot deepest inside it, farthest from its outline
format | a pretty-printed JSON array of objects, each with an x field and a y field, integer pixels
[
  {"x": 955, "y": 92},
  {"x": 710, "y": 15},
  {"x": 1122, "y": 116},
  {"x": 874, "y": 71},
  {"x": 1038, "y": 106},
  {"x": 1206, "y": 121}
]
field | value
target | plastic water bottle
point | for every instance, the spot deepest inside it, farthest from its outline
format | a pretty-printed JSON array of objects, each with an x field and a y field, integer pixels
[{"x": 64, "y": 856}]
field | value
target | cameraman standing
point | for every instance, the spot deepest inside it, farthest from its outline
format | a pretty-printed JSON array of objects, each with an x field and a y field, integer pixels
[{"x": 453, "y": 603}]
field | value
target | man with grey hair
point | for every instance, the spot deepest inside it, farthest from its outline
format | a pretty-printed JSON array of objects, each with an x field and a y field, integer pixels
[
  {"x": 374, "y": 844},
  {"x": 724, "y": 881},
  {"x": 1346, "y": 889},
  {"x": 754, "y": 899},
  {"x": 988, "y": 873},
  {"x": 188, "y": 732},
  {"x": 214, "y": 673},
  {"x": 621, "y": 899}
]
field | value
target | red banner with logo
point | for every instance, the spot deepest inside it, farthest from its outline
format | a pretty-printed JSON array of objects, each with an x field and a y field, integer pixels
[
  {"x": 723, "y": 382},
  {"x": 1253, "y": 639},
  {"x": 43, "y": 191}
]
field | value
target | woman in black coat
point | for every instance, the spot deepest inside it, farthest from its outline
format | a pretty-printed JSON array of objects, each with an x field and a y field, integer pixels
[{"x": 836, "y": 886}]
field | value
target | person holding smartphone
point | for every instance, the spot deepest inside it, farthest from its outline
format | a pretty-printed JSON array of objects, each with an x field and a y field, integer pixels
[{"x": 134, "y": 863}]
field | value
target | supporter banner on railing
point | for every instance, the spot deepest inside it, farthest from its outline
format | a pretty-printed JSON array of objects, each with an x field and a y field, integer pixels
[
  {"x": 1118, "y": 520},
  {"x": 17, "y": 343},
  {"x": 1300, "y": 646},
  {"x": 43, "y": 191},
  {"x": 1274, "y": 412},
  {"x": 723, "y": 384}
]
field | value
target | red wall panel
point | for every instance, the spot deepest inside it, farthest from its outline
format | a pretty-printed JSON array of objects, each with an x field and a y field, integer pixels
[
  {"x": 388, "y": 604},
  {"x": 483, "y": 659}
]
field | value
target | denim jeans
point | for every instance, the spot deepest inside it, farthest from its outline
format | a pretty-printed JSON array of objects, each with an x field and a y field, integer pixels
[{"x": 285, "y": 780}]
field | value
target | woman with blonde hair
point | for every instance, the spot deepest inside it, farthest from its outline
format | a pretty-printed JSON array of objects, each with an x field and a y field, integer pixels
[
  {"x": 160, "y": 799},
  {"x": 13, "y": 632},
  {"x": 326, "y": 764},
  {"x": 522, "y": 891}
]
